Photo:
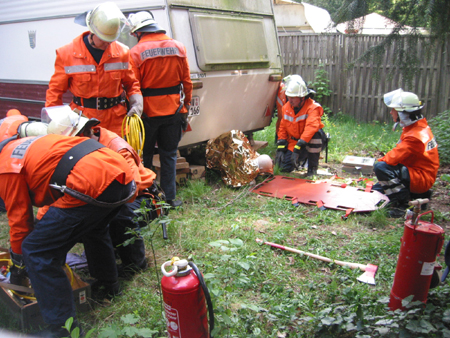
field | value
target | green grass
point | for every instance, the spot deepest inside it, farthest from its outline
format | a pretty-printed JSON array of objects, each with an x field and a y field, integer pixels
[{"x": 258, "y": 291}]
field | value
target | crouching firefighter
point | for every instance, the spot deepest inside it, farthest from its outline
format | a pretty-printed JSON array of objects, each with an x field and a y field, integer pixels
[
  {"x": 408, "y": 171},
  {"x": 62, "y": 120},
  {"x": 300, "y": 135},
  {"x": 85, "y": 184}
]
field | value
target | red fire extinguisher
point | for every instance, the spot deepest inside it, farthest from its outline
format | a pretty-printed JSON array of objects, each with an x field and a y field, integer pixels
[
  {"x": 420, "y": 244},
  {"x": 184, "y": 294}
]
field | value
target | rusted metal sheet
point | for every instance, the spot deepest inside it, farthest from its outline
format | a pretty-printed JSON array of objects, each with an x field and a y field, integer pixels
[{"x": 326, "y": 193}]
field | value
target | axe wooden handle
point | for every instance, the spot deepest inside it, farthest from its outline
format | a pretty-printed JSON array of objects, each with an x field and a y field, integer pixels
[{"x": 322, "y": 258}]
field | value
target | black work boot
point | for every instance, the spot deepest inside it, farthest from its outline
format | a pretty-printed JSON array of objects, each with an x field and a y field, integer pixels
[
  {"x": 311, "y": 171},
  {"x": 175, "y": 203},
  {"x": 101, "y": 290},
  {"x": 56, "y": 331}
]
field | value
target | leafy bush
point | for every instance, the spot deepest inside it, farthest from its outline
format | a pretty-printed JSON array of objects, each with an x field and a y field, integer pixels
[
  {"x": 321, "y": 86},
  {"x": 440, "y": 126}
]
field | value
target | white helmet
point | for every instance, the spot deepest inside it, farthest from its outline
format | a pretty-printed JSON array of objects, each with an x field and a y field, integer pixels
[
  {"x": 296, "y": 86},
  {"x": 106, "y": 21},
  {"x": 144, "y": 22},
  {"x": 31, "y": 128},
  {"x": 402, "y": 101},
  {"x": 265, "y": 164},
  {"x": 63, "y": 121}
]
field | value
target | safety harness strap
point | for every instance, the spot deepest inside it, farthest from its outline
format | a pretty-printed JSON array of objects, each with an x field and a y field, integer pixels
[
  {"x": 68, "y": 161},
  {"x": 90, "y": 200},
  {"x": 6, "y": 141}
]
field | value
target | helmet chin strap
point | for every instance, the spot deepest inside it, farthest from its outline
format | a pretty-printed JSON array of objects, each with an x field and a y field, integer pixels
[
  {"x": 396, "y": 123},
  {"x": 395, "y": 126}
]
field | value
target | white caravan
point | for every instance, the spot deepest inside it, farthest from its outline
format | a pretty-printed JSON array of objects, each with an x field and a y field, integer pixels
[{"x": 233, "y": 51}]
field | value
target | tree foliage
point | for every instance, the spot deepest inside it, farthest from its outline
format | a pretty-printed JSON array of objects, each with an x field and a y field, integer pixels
[
  {"x": 413, "y": 18},
  {"x": 419, "y": 23}
]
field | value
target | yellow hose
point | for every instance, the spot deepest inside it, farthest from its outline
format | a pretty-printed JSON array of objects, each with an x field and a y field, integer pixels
[{"x": 134, "y": 133}]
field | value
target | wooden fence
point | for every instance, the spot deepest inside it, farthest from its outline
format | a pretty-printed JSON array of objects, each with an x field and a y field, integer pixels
[{"x": 354, "y": 90}]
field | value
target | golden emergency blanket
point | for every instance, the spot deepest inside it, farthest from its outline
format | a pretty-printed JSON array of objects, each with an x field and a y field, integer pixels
[{"x": 232, "y": 154}]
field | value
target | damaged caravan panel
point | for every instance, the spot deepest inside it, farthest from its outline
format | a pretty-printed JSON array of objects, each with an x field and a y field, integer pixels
[{"x": 232, "y": 47}]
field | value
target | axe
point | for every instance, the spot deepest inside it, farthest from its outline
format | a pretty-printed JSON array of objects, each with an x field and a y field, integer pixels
[{"x": 369, "y": 270}]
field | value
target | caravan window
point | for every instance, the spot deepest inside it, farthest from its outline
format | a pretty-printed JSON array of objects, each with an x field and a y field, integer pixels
[{"x": 224, "y": 42}]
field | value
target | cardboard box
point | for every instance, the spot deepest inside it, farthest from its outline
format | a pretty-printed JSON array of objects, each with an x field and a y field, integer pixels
[
  {"x": 28, "y": 313},
  {"x": 181, "y": 178},
  {"x": 181, "y": 163},
  {"x": 196, "y": 172},
  {"x": 358, "y": 165}
]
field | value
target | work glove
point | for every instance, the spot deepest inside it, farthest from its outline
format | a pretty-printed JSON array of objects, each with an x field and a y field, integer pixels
[
  {"x": 18, "y": 273},
  {"x": 136, "y": 105},
  {"x": 297, "y": 151},
  {"x": 157, "y": 193},
  {"x": 281, "y": 151}
]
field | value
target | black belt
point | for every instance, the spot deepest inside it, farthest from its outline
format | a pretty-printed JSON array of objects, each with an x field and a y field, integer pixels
[
  {"x": 295, "y": 139},
  {"x": 161, "y": 91},
  {"x": 98, "y": 103},
  {"x": 68, "y": 161}
]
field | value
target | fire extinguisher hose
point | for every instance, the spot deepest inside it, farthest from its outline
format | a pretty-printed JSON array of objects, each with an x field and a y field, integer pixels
[{"x": 207, "y": 296}]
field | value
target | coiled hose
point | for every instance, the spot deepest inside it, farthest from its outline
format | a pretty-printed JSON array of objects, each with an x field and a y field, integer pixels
[{"x": 134, "y": 133}]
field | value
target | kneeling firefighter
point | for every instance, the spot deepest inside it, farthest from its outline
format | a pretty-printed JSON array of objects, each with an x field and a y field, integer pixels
[
  {"x": 300, "y": 135},
  {"x": 61, "y": 121},
  {"x": 84, "y": 194}
]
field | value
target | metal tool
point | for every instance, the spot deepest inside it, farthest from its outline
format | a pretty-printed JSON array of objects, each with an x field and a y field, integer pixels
[{"x": 367, "y": 277}]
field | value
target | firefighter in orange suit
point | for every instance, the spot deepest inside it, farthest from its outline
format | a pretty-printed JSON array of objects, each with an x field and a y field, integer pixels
[
  {"x": 60, "y": 121},
  {"x": 16, "y": 125},
  {"x": 162, "y": 68},
  {"x": 85, "y": 184},
  {"x": 410, "y": 169},
  {"x": 96, "y": 69},
  {"x": 300, "y": 136}
]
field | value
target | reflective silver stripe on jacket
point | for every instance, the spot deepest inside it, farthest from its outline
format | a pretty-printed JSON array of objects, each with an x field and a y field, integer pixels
[
  {"x": 115, "y": 66},
  {"x": 298, "y": 118},
  {"x": 301, "y": 117},
  {"x": 280, "y": 101},
  {"x": 394, "y": 181},
  {"x": 159, "y": 51},
  {"x": 80, "y": 69}
]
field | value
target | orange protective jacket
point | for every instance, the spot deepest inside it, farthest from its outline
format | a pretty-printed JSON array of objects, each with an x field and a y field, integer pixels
[
  {"x": 301, "y": 126},
  {"x": 281, "y": 101},
  {"x": 77, "y": 71},
  {"x": 143, "y": 177},
  {"x": 418, "y": 151},
  {"x": 27, "y": 165},
  {"x": 160, "y": 62},
  {"x": 10, "y": 125}
]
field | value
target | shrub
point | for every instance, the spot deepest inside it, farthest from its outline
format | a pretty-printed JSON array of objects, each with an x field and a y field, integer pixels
[{"x": 440, "y": 125}]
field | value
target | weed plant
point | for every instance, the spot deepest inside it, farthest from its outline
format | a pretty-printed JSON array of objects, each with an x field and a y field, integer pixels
[{"x": 258, "y": 291}]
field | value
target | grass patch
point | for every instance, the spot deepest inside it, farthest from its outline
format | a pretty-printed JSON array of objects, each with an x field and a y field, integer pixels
[{"x": 258, "y": 291}]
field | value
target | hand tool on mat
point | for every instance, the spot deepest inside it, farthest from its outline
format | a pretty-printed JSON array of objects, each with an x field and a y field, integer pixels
[
  {"x": 367, "y": 277},
  {"x": 16, "y": 287}
]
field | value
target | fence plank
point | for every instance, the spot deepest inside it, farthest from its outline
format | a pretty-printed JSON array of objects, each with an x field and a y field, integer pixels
[{"x": 355, "y": 91}]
